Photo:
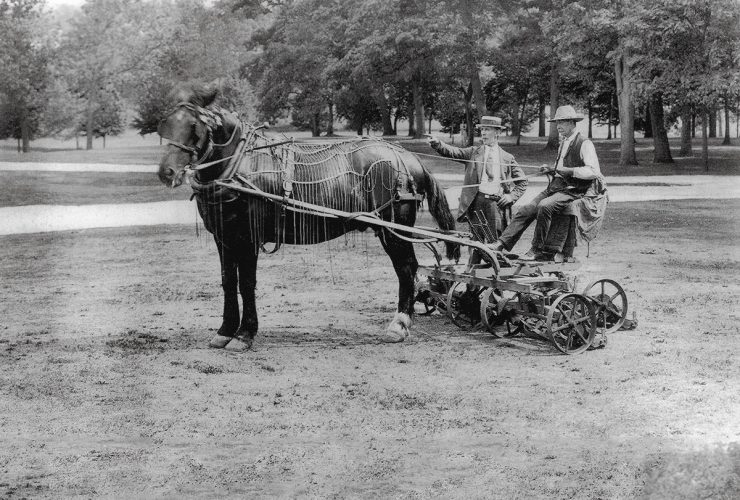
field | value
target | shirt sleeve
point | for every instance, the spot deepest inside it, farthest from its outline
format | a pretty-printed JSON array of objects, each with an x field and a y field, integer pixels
[
  {"x": 590, "y": 169},
  {"x": 517, "y": 190},
  {"x": 454, "y": 152}
]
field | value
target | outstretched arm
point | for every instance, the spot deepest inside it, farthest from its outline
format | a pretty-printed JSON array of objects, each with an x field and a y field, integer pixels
[{"x": 451, "y": 151}]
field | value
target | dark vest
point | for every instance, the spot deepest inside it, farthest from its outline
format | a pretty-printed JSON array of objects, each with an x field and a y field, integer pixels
[{"x": 573, "y": 159}]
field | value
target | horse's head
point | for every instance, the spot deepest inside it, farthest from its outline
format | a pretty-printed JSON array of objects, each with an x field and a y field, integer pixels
[{"x": 189, "y": 129}]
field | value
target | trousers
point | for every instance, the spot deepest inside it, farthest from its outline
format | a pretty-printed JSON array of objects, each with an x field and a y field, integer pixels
[
  {"x": 485, "y": 218},
  {"x": 541, "y": 208}
]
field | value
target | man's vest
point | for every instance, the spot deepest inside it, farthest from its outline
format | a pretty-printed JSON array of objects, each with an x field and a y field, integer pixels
[{"x": 573, "y": 159}]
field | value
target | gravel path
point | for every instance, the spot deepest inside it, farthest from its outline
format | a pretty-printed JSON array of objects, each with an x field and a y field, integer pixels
[{"x": 45, "y": 218}]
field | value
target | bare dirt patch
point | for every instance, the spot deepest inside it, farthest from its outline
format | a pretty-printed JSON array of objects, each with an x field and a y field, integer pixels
[{"x": 108, "y": 389}]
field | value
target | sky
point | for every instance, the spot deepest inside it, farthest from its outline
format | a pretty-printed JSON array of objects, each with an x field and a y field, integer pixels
[{"x": 52, "y": 4}]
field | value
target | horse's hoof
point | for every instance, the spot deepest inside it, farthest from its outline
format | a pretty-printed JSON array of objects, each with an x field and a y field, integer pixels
[
  {"x": 219, "y": 341},
  {"x": 241, "y": 344},
  {"x": 398, "y": 330},
  {"x": 392, "y": 337}
]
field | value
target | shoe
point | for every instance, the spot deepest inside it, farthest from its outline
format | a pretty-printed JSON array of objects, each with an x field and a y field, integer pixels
[
  {"x": 536, "y": 256},
  {"x": 496, "y": 246},
  {"x": 529, "y": 256},
  {"x": 560, "y": 258}
]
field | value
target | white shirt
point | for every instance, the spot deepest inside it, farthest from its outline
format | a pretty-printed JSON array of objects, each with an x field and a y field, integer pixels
[
  {"x": 590, "y": 169},
  {"x": 490, "y": 182}
]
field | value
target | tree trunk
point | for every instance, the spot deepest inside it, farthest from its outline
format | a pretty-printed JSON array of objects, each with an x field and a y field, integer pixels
[
  {"x": 627, "y": 154},
  {"x": 410, "y": 114},
  {"x": 661, "y": 148},
  {"x": 103, "y": 141},
  {"x": 360, "y": 127},
  {"x": 315, "y": 124},
  {"x": 385, "y": 113},
  {"x": 18, "y": 145},
  {"x": 685, "y": 131},
  {"x": 693, "y": 123},
  {"x": 472, "y": 65},
  {"x": 611, "y": 118},
  {"x": 395, "y": 122},
  {"x": 649, "y": 129},
  {"x": 553, "y": 139},
  {"x": 468, "y": 95},
  {"x": 719, "y": 122},
  {"x": 712, "y": 121},
  {"x": 429, "y": 124},
  {"x": 521, "y": 119},
  {"x": 590, "y": 120},
  {"x": 330, "y": 124},
  {"x": 25, "y": 134},
  {"x": 541, "y": 117},
  {"x": 475, "y": 83},
  {"x": 615, "y": 107},
  {"x": 89, "y": 124},
  {"x": 726, "y": 141},
  {"x": 418, "y": 109},
  {"x": 515, "y": 118},
  {"x": 704, "y": 140}
]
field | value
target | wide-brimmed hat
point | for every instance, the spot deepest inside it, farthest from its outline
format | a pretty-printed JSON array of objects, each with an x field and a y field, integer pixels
[
  {"x": 565, "y": 113},
  {"x": 491, "y": 122}
]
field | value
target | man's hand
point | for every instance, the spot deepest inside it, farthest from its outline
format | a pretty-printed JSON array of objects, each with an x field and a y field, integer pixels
[
  {"x": 547, "y": 169},
  {"x": 503, "y": 201},
  {"x": 433, "y": 141}
]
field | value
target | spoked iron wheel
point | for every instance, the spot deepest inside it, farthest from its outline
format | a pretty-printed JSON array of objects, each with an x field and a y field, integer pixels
[
  {"x": 610, "y": 303},
  {"x": 463, "y": 305},
  {"x": 499, "y": 326},
  {"x": 571, "y": 323}
]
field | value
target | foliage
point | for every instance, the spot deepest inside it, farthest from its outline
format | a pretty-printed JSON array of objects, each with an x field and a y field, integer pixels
[
  {"x": 370, "y": 63},
  {"x": 25, "y": 74}
]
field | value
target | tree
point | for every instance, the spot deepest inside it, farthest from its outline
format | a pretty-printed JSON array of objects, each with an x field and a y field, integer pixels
[
  {"x": 109, "y": 44},
  {"x": 518, "y": 63},
  {"x": 584, "y": 31},
  {"x": 296, "y": 67},
  {"x": 688, "y": 55},
  {"x": 107, "y": 118},
  {"x": 25, "y": 74}
]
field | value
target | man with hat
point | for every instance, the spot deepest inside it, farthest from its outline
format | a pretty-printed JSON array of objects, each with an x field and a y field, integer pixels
[
  {"x": 575, "y": 169},
  {"x": 489, "y": 191}
]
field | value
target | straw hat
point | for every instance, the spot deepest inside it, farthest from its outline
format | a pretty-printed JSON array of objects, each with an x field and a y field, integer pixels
[
  {"x": 491, "y": 122},
  {"x": 565, "y": 113}
]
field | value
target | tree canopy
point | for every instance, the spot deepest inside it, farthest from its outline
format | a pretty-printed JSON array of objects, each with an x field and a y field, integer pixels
[{"x": 372, "y": 63}]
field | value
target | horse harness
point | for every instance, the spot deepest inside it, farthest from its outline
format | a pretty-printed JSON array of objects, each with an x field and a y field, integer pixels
[{"x": 211, "y": 194}]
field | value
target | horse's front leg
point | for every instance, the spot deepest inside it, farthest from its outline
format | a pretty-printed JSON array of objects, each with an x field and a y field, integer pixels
[
  {"x": 405, "y": 264},
  {"x": 247, "y": 284},
  {"x": 229, "y": 283}
]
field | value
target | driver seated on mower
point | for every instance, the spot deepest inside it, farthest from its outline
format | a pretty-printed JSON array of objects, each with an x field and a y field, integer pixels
[{"x": 576, "y": 188}]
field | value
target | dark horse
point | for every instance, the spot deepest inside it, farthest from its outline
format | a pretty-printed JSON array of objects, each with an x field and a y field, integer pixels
[{"x": 213, "y": 146}]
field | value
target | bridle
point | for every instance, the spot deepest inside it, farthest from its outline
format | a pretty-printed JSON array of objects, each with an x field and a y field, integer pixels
[{"x": 196, "y": 157}]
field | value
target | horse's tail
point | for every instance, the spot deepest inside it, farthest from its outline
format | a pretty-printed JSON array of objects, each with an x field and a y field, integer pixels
[{"x": 440, "y": 210}]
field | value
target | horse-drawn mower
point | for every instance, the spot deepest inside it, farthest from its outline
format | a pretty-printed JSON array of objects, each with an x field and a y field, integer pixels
[
  {"x": 507, "y": 296},
  {"x": 529, "y": 298}
]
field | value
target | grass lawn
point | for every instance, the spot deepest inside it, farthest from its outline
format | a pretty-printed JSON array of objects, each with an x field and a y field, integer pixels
[{"x": 131, "y": 148}]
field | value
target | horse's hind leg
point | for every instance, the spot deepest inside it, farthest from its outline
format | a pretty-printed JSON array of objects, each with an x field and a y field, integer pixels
[
  {"x": 247, "y": 283},
  {"x": 405, "y": 263},
  {"x": 229, "y": 282}
]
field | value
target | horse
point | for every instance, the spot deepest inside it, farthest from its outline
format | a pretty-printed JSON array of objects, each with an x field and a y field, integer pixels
[{"x": 211, "y": 147}]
